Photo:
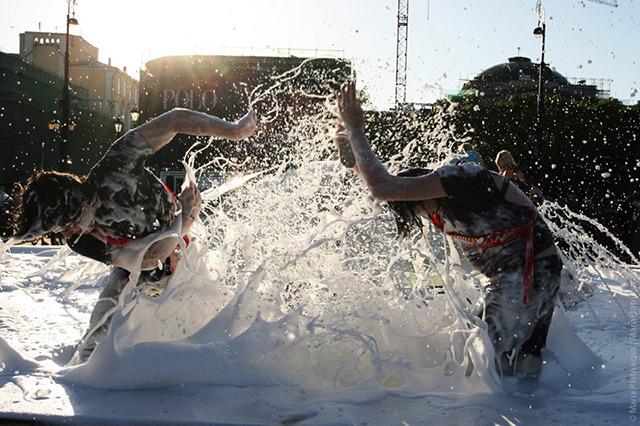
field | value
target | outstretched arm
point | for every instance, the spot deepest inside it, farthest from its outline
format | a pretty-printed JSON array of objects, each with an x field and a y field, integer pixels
[
  {"x": 159, "y": 131},
  {"x": 383, "y": 185}
]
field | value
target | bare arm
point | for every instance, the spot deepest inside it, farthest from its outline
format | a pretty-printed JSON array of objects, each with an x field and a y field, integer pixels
[
  {"x": 158, "y": 253},
  {"x": 190, "y": 201},
  {"x": 159, "y": 131},
  {"x": 152, "y": 259},
  {"x": 383, "y": 185}
]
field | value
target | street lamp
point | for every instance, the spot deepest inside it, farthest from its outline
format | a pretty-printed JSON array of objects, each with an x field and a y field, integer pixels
[
  {"x": 54, "y": 128},
  {"x": 540, "y": 31},
  {"x": 118, "y": 125},
  {"x": 54, "y": 125},
  {"x": 135, "y": 114},
  {"x": 65, "y": 104}
]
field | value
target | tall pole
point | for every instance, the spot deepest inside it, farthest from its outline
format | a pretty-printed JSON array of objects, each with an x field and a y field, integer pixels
[
  {"x": 540, "y": 30},
  {"x": 65, "y": 104}
]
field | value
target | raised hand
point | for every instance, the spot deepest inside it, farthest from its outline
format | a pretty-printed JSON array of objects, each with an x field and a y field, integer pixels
[
  {"x": 350, "y": 110},
  {"x": 190, "y": 200}
]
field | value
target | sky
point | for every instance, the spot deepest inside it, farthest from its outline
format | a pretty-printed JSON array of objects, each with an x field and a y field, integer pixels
[{"x": 449, "y": 41}]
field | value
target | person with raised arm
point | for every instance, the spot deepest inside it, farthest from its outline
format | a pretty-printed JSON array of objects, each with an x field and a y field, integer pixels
[
  {"x": 496, "y": 226},
  {"x": 119, "y": 203}
]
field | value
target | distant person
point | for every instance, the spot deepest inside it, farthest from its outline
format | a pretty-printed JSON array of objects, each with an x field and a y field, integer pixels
[
  {"x": 16, "y": 193},
  {"x": 497, "y": 227},
  {"x": 467, "y": 154},
  {"x": 510, "y": 169},
  {"x": 4, "y": 197},
  {"x": 119, "y": 202}
]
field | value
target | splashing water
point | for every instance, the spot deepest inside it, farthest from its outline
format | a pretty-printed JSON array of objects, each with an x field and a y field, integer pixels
[{"x": 297, "y": 279}]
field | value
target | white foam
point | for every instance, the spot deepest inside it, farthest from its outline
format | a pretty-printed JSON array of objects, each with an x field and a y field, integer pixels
[{"x": 297, "y": 281}]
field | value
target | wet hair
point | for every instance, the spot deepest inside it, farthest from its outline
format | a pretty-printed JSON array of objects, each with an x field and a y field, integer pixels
[
  {"x": 466, "y": 147},
  {"x": 504, "y": 160},
  {"x": 403, "y": 211},
  {"x": 51, "y": 202},
  {"x": 17, "y": 188}
]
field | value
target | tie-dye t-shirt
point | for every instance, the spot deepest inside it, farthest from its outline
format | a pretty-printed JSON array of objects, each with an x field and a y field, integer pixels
[
  {"x": 476, "y": 207},
  {"x": 133, "y": 201}
]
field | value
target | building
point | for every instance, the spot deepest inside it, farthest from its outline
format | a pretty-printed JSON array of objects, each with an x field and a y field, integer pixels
[
  {"x": 110, "y": 91},
  {"x": 282, "y": 90},
  {"x": 31, "y": 86},
  {"x": 29, "y": 101},
  {"x": 521, "y": 76}
]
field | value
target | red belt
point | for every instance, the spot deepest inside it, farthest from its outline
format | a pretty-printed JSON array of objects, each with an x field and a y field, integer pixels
[{"x": 501, "y": 238}]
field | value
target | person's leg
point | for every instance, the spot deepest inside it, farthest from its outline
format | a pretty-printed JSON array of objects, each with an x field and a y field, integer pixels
[
  {"x": 511, "y": 324},
  {"x": 103, "y": 311},
  {"x": 547, "y": 278},
  {"x": 502, "y": 303}
]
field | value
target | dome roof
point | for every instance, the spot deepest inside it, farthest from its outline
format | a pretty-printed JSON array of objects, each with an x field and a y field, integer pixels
[{"x": 519, "y": 68}]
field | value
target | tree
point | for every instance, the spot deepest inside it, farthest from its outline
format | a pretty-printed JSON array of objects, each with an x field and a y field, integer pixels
[{"x": 589, "y": 147}]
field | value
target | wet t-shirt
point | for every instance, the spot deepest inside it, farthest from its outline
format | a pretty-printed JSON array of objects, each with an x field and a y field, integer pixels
[
  {"x": 133, "y": 201},
  {"x": 475, "y": 207}
]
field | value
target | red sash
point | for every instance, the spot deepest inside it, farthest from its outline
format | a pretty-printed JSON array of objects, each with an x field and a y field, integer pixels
[{"x": 501, "y": 238}]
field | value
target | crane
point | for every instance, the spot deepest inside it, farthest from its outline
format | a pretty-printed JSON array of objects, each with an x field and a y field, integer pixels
[
  {"x": 402, "y": 42},
  {"x": 401, "y": 52},
  {"x": 612, "y": 3}
]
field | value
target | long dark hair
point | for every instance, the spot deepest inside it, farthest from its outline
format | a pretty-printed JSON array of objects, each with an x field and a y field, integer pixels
[
  {"x": 403, "y": 211},
  {"x": 51, "y": 201}
]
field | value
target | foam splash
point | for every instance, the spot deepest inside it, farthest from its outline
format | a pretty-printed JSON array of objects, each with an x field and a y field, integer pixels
[
  {"x": 297, "y": 279},
  {"x": 308, "y": 287},
  {"x": 294, "y": 288}
]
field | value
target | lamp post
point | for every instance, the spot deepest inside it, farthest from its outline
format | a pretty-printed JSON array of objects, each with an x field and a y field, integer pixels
[
  {"x": 65, "y": 104},
  {"x": 54, "y": 128},
  {"x": 135, "y": 114},
  {"x": 54, "y": 125},
  {"x": 118, "y": 125},
  {"x": 540, "y": 31}
]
